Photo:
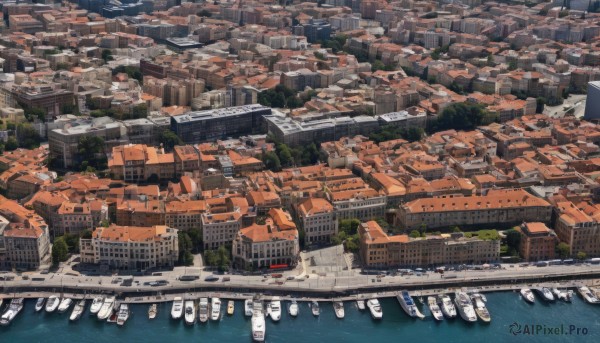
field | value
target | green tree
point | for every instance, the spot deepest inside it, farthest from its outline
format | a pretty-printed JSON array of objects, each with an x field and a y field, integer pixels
[
  {"x": 60, "y": 251},
  {"x": 204, "y": 13},
  {"x": 169, "y": 139},
  {"x": 11, "y": 144},
  {"x": 196, "y": 238},
  {"x": 35, "y": 112},
  {"x": 131, "y": 71},
  {"x": 285, "y": 155},
  {"x": 271, "y": 161},
  {"x": 415, "y": 234},
  {"x": 185, "y": 247},
  {"x": 462, "y": 116},
  {"x": 349, "y": 226},
  {"x": 539, "y": 104},
  {"x": 224, "y": 260},
  {"x": 513, "y": 240},
  {"x": 107, "y": 55},
  {"x": 139, "y": 111},
  {"x": 563, "y": 250},
  {"x": 27, "y": 136},
  {"x": 456, "y": 229},
  {"x": 91, "y": 153},
  {"x": 581, "y": 255}
]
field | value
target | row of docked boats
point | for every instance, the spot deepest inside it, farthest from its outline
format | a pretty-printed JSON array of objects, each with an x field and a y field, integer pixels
[
  {"x": 546, "y": 294},
  {"x": 191, "y": 309},
  {"x": 104, "y": 308}
]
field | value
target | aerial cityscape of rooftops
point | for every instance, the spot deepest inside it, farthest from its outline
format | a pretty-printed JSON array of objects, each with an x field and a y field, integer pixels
[{"x": 278, "y": 153}]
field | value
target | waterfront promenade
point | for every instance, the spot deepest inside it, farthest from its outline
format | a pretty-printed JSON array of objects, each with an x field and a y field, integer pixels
[{"x": 348, "y": 284}]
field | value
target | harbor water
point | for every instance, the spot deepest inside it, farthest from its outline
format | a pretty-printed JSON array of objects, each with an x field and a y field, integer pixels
[{"x": 513, "y": 320}]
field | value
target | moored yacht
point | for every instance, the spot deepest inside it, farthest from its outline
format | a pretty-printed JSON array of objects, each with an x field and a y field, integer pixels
[
  {"x": 360, "y": 304},
  {"x": 561, "y": 294},
  {"x": 39, "y": 304},
  {"x": 465, "y": 307},
  {"x": 230, "y": 307},
  {"x": 293, "y": 309},
  {"x": 258, "y": 322},
  {"x": 177, "y": 308},
  {"x": 527, "y": 295},
  {"x": 314, "y": 307},
  {"x": 248, "y": 307},
  {"x": 446, "y": 305},
  {"x": 52, "y": 303},
  {"x": 408, "y": 305},
  {"x": 338, "y": 307},
  {"x": 215, "y": 309},
  {"x": 545, "y": 293},
  {"x": 436, "y": 312},
  {"x": 203, "y": 310},
  {"x": 480, "y": 308},
  {"x": 123, "y": 314},
  {"x": 64, "y": 305},
  {"x": 96, "y": 305},
  {"x": 275, "y": 309},
  {"x": 107, "y": 308},
  {"x": 190, "y": 312},
  {"x": 152, "y": 311},
  {"x": 375, "y": 308},
  {"x": 15, "y": 306},
  {"x": 587, "y": 295},
  {"x": 77, "y": 310}
]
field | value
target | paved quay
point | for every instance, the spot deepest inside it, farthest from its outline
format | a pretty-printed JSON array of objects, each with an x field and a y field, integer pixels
[{"x": 349, "y": 284}]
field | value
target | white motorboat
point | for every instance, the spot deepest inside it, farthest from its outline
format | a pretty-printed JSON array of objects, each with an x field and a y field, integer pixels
[
  {"x": 152, "y": 311},
  {"x": 96, "y": 305},
  {"x": 107, "y": 308},
  {"x": 64, "y": 305},
  {"x": 480, "y": 308},
  {"x": 123, "y": 314},
  {"x": 52, "y": 303},
  {"x": 114, "y": 314},
  {"x": 259, "y": 329},
  {"x": 275, "y": 309},
  {"x": 230, "y": 307},
  {"x": 15, "y": 306},
  {"x": 338, "y": 308},
  {"x": 39, "y": 304},
  {"x": 561, "y": 294},
  {"x": 203, "y": 310},
  {"x": 177, "y": 308},
  {"x": 293, "y": 309},
  {"x": 545, "y": 293},
  {"x": 314, "y": 307},
  {"x": 408, "y": 305},
  {"x": 360, "y": 304},
  {"x": 190, "y": 312},
  {"x": 215, "y": 309},
  {"x": 77, "y": 310},
  {"x": 436, "y": 312},
  {"x": 375, "y": 308},
  {"x": 248, "y": 307},
  {"x": 465, "y": 307},
  {"x": 448, "y": 308},
  {"x": 587, "y": 295},
  {"x": 527, "y": 295}
]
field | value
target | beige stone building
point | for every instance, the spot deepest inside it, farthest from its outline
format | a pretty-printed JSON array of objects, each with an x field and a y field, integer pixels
[
  {"x": 139, "y": 163},
  {"x": 577, "y": 226},
  {"x": 219, "y": 229},
  {"x": 318, "y": 219},
  {"x": 131, "y": 247},
  {"x": 378, "y": 250},
  {"x": 72, "y": 218},
  {"x": 497, "y": 207},
  {"x": 538, "y": 242},
  {"x": 272, "y": 244},
  {"x": 24, "y": 237}
]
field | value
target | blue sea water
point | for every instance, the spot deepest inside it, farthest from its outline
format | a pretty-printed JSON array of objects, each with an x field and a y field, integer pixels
[{"x": 506, "y": 309}]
